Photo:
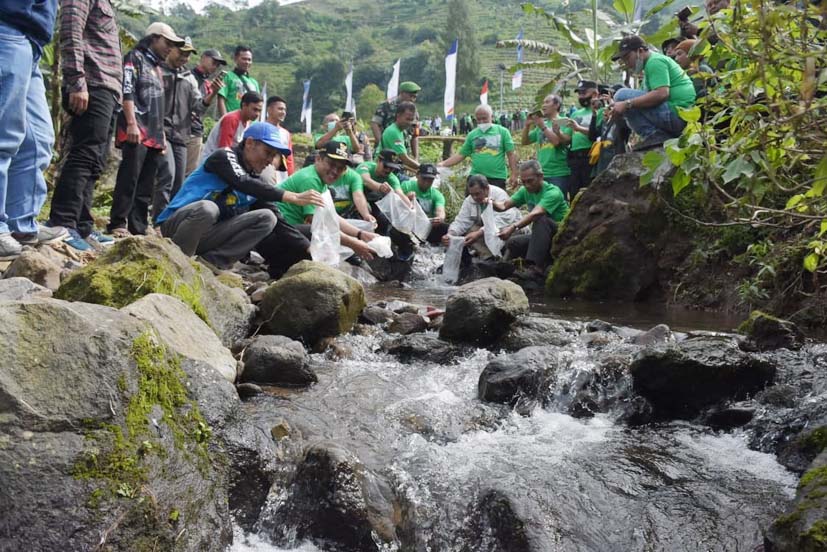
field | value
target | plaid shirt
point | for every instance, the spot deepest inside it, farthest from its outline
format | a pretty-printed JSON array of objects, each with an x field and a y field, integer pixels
[{"x": 90, "y": 48}]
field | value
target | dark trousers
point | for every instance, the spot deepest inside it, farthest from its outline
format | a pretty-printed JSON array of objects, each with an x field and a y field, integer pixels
[
  {"x": 534, "y": 247},
  {"x": 133, "y": 188},
  {"x": 581, "y": 172},
  {"x": 285, "y": 246},
  {"x": 498, "y": 182},
  {"x": 170, "y": 177},
  {"x": 89, "y": 135}
]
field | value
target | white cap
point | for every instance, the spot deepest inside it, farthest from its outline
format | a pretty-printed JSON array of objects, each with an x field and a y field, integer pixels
[{"x": 165, "y": 31}]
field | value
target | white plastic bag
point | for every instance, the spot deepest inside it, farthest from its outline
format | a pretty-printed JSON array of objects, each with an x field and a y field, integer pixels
[
  {"x": 411, "y": 221},
  {"x": 490, "y": 230},
  {"x": 422, "y": 224},
  {"x": 453, "y": 257},
  {"x": 324, "y": 240},
  {"x": 381, "y": 245}
]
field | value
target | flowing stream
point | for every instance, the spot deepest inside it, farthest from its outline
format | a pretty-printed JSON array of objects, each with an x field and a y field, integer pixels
[{"x": 589, "y": 484}]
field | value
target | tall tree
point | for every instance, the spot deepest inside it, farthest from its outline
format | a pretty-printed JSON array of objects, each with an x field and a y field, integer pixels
[{"x": 459, "y": 26}]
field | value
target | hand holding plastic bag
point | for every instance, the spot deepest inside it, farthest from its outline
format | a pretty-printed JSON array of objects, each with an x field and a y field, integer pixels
[
  {"x": 453, "y": 257},
  {"x": 412, "y": 221},
  {"x": 381, "y": 245},
  {"x": 325, "y": 241},
  {"x": 490, "y": 231}
]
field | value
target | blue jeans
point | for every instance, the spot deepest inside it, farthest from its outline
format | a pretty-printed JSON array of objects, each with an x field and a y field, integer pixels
[
  {"x": 561, "y": 182},
  {"x": 26, "y": 133},
  {"x": 648, "y": 120}
]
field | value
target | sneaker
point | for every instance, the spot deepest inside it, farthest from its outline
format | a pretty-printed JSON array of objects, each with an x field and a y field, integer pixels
[
  {"x": 76, "y": 242},
  {"x": 10, "y": 248},
  {"x": 96, "y": 238},
  {"x": 44, "y": 234}
]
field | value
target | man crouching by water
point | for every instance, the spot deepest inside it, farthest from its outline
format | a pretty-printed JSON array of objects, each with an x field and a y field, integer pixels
[
  {"x": 210, "y": 216},
  {"x": 468, "y": 221}
]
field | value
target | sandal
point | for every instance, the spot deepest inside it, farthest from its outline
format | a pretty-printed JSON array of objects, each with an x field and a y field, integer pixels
[{"x": 119, "y": 233}]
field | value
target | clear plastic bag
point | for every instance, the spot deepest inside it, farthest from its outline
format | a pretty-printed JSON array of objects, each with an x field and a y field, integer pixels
[
  {"x": 490, "y": 231},
  {"x": 453, "y": 257},
  {"x": 381, "y": 245},
  {"x": 325, "y": 241},
  {"x": 406, "y": 220}
]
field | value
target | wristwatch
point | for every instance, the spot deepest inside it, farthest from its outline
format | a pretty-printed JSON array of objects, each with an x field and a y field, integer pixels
[{"x": 628, "y": 104}]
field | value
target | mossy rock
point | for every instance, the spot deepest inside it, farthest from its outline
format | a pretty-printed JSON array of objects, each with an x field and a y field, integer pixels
[
  {"x": 766, "y": 332},
  {"x": 310, "y": 302},
  {"x": 137, "y": 266},
  {"x": 804, "y": 527}
]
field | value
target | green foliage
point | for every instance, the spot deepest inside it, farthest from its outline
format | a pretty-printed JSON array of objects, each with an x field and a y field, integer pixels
[{"x": 368, "y": 99}]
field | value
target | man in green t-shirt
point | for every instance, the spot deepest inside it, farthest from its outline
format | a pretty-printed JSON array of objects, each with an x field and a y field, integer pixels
[
  {"x": 430, "y": 199},
  {"x": 340, "y": 130},
  {"x": 546, "y": 209},
  {"x": 488, "y": 146},
  {"x": 331, "y": 164},
  {"x": 653, "y": 112},
  {"x": 581, "y": 144},
  {"x": 237, "y": 82},
  {"x": 393, "y": 137},
  {"x": 378, "y": 179},
  {"x": 552, "y": 139}
]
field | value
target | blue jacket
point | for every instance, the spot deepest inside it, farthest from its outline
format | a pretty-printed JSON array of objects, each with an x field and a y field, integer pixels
[{"x": 33, "y": 18}]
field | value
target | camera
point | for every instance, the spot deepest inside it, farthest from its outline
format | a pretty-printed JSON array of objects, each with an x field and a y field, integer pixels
[
  {"x": 347, "y": 115},
  {"x": 684, "y": 14}
]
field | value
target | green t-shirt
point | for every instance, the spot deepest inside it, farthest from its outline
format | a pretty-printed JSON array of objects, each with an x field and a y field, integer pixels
[
  {"x": 583, "y": 117},
  {"x": 342, "y": 190},
  {"x": 550, "y": 198},
  {"x": 369, "y": 168},
  {"x": 301, "y": 181},
  {"x": 553, "y": 159},
  {"x": 235, "y": 87},
  {"x": 429, "y": 200},
  {"x": 393, "y": 138},
  {"x": 487, "y": 151},
  {"x": 660, "y": 71},
  {"x": 344, "y": 138}
]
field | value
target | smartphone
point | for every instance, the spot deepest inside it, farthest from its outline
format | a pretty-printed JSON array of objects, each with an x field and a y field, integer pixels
[
  {"x": 347, "y": 115},
  {"x": 684, "y": 14},
  {"x": 562, "y": 120},
  {"x": 537, "y": 113}
]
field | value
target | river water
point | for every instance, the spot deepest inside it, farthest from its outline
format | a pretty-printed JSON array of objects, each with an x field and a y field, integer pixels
[{"x": 589, "y": 484}]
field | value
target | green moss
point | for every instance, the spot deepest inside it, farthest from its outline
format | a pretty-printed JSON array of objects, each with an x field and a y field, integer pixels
[
  {"x": 230, "y": 280},
  {"x": 747, "y": 325},
  {"x": 815, "y": 538},
  {"x": 815, "y": 476},
  {"x": 119, "y": 458},
  {"x": 591, "y": 269}
]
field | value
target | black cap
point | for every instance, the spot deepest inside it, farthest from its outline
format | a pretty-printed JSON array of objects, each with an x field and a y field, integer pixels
[
  {"x": 428, "y": 170},
  {"x": 339, "y": 151},
  {"x": 667, "y": 43},
  {"x": 630, "y": 43},
  {"x": 390, "y": 160},
  {"x": 216, "y": 55},
  {"x": 585, "y": 85}
]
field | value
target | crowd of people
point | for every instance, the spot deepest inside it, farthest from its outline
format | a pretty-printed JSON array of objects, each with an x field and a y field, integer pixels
[{"x": 237, "y": 189}]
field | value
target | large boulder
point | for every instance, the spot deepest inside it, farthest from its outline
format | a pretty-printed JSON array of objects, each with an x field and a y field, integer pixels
[
  {"x": 106, "y": 436},
  {"x": 524, "y": 375},
  {"x": 335, "y": 499},
  {"x": 539, "y": 330},
  {"x": 36, "y": 267},
  {"x": 310, "y": 302},
  {"x": 610, "y": 246},
  {"x": 135, "y": 267},
  {"x": 421, "y": 347},
  {"x": 183, "y": 332},
  {"x": 679, "y": 380},
  {"x": 482, "y": 312},
  {"x": 277, "y": 360},
  {"x": 19, "y": 288},
  {"x": 803, "y": 528},
  {"x": 493, "y": 525},
  {"x": 767, "y": 333}
]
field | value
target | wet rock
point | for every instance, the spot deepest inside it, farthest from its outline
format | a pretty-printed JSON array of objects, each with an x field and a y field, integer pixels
[
  {"x": 183, "y": 332},
  {"x": 799, "y": 453},
  {"x": 335, "y": 499},
  {"x": 659, "y": 334},
  {"x": 422, "y": 347},
  {"x": 17, "y": 289},
  {"x": 522, "y": 375},
  {"x": 117, "y": 434},
  {"x": 377, "y": 315},
  {"x": 247, "y": 390},
  {"x": 803, "y": 528},
  {"x": 598, "y": 339},
  {"x": 277, "y": 360},
  {"x": 495, "y": 526},
  {"x": 482, "y": 312},
  {"x": 256, "y": 291},
  {"x": 358, "y": 273},
  {"x": 137, "y": 266},
  {"x": 388, "y": 270},
  {"x": 408, "y": 323},
  {"x": 728, "y": 418},
  {"x": 680, "y": 380},
  {"x": 599, "y": 326},
  {"x": 310, "y": 302},
  {"x": 538, "y": 330},
  {"x": 767, "y": 333},
  {"x": 36, "y": 267}
]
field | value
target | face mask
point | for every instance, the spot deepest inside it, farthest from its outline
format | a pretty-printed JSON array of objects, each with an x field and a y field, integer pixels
[
  {"x": 484, "y": 126},
  {"x": 331, "y": 125}
]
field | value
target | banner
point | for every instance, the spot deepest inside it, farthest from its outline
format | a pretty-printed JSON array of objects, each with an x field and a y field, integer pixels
[
  {"x": 307, "y": 107},
  {"x": 308, "y": 125},
  {"x": 393, "y": 84},
  {"x": 484, "y": 93},
  {"x": 450, "y": 80},
  {"x": 517, "y": 78},
  {"x": 263, "y": 116},
  {"x": 350, "y": 105}
]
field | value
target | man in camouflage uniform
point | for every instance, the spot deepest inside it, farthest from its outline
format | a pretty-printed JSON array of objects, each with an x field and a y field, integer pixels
[{"x": 385, "y": 115}]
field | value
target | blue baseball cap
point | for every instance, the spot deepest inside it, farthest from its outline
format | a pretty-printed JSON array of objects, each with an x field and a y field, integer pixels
[{"x": 269, "y": 134}]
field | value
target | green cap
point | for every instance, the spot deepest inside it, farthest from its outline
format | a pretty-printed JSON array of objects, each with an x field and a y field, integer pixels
[{"x": 410, "y": 87}]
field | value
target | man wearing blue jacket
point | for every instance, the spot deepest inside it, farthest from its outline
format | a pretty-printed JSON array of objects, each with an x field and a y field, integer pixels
[{"x": 26, "y": 133}]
